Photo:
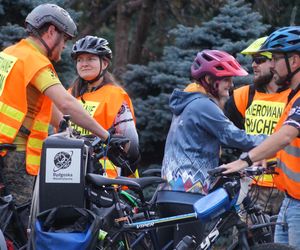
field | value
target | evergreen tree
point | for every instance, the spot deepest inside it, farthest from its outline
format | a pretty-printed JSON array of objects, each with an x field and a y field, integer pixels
[{"x": 235, "y": 27}]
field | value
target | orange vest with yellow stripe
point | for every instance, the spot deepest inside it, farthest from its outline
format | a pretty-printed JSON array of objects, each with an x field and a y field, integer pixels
[
  {"x": 261, "y": 116},
  {"x": 103, "y": 105},
  {"x": 288, "y": 160},
  {"x": 18, "y": 65}
]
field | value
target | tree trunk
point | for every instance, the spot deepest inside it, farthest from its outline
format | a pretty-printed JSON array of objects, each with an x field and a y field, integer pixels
[
  {"x": 99, "y": 16},
  {"x": 121, "y": 39},
  {"x": 141, "y": 31}
]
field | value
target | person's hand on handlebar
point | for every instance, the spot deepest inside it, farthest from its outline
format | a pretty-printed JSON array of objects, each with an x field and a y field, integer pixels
[
  {"x": 234, "y": 166},
  {"x": 119, "y": 142},
  {"x": 238, "y": 165}
]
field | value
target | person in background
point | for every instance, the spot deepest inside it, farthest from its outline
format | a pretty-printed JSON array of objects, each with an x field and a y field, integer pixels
[
  {"x": 29, "y": 85},
  {"x": 198, "y": 129},
  {"x": 256, "y": 108},
  {"x": 107, "y": 102},
  {"x": 284, "y": 44}
]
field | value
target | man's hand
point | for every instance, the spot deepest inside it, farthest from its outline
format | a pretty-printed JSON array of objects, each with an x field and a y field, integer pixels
[{"x": 234, "y": 166}]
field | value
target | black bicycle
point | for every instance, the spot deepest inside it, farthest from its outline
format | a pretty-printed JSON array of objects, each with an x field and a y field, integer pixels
[
  {"x": 218, "y": 204},
  {"x": 11, "y": 223}
]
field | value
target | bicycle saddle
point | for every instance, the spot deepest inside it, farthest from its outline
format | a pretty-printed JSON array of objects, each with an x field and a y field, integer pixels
[
  {"x": 144, "y": 181},
  {"x": 99, "y": 180}
]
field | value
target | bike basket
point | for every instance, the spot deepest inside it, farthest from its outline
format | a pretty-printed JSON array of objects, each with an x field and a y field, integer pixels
[{"x": 65, "y": 227}]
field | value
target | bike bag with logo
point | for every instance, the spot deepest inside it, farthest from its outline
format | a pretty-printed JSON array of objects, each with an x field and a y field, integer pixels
[
  {"x": 65, "y": 227},
  {"x": 62, "y": 172}
]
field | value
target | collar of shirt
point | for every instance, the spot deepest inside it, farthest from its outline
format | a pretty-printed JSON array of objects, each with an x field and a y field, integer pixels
[{"x": 36, "y": 45}]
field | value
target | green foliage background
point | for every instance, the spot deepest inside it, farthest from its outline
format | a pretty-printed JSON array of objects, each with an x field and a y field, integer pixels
[{"x": 171, "y": 45}]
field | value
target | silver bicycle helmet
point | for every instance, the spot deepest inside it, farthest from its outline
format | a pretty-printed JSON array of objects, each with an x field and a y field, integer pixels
[{"x": 51, "y": 13}]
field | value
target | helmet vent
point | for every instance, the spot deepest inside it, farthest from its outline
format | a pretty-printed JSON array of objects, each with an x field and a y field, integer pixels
[
  {"x": 196, "y": 65},
  {"x": 207, "y": 58},
  {"x": 296, "y": 32}
]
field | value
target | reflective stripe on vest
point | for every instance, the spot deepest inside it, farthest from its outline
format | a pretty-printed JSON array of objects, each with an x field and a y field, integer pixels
[
  {"x": 39, "y": 132},
  {"x": 13, "y": 100},
  {"x": 7, "y": 131},
  {"x": 288, "y": 178},
  {"x": 11, "y": 112},
  {"x": 291, "y": 174}
]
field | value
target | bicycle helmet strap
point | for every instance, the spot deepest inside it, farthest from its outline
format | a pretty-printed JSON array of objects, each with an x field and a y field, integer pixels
[
  {"x": 38, "y": 36},
  {"x": 290, "y": 73}
]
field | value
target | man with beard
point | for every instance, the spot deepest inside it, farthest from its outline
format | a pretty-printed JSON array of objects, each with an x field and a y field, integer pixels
[
  {"x": 285, "y": 141},
  {"x": 257, "y": 109}
]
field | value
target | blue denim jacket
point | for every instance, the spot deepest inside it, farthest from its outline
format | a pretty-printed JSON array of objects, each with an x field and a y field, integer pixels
[{"x": 199, "y": 128}]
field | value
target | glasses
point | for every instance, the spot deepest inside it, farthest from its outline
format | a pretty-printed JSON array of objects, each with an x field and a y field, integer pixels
[
  {"x": 259, "y": 59},
  {"x": 276, "y": 58}
]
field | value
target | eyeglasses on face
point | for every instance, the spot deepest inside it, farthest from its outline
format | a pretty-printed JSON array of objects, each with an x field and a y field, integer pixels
[
  {"x": 278, "y": 57},
  {"x": 259, "y": 59}
]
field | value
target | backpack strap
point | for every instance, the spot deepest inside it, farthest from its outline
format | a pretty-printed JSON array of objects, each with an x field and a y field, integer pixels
[{"x": 251, "y": 94}]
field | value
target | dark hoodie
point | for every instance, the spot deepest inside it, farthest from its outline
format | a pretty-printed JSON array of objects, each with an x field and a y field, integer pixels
[{"x": 198, "y": 129}]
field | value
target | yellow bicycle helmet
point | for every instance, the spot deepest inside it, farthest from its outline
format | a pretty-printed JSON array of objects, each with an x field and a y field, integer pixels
[{"x": 254, "y": 48}]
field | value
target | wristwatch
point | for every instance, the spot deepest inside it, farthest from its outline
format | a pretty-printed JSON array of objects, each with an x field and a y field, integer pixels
[{"x": 245, "y": 157}]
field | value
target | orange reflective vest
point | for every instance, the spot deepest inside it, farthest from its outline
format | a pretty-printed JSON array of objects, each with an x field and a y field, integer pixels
[
  {"x": 103, "y": 105},
  {"x": 18, "y": 65},
  {"x": 261, "y": 116},
  {"x": 288, "y": 160}
]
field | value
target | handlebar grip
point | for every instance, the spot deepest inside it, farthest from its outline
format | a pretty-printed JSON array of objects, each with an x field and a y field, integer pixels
[{"x": 216, "y": 171}]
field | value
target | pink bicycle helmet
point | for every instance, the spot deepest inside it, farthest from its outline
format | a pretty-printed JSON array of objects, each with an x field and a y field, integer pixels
[{"x": 217, "y": 64}]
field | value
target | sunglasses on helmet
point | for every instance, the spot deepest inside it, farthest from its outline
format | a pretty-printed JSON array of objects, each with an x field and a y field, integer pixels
[{"x": 259, "y": 59}]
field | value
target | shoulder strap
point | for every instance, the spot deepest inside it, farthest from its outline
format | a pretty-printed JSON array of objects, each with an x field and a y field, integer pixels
[{"x": 250, "y": 95}]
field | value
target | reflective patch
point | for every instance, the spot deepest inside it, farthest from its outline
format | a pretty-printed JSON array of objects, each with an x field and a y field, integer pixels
[
  {"x": 33, "y": 160},
  {"x": 290, "y": 173},
  {"x": 262, "y": 116},
  {"x": 91, "y": 108},
  {"x": 11, "y": 112},
  {"x": 40, "y": 126},
  {"x": 35, "y": 143},
  {"x": 7, "y": 130},
  {"x": 291, "y": 150},
  {"x": 6, "y": 64}
]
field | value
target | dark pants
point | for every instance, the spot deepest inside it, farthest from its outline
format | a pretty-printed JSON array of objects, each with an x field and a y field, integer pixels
[{"x": 18, "y": 182}]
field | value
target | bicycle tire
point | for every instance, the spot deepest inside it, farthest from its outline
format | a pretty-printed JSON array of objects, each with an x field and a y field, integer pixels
[{"x": 272, "y": 246}]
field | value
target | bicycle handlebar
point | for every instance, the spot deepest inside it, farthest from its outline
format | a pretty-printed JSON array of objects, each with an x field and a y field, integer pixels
[{"x": 248, "y": 171}]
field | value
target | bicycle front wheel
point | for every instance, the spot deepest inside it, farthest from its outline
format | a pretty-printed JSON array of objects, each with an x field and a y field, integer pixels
[{"x": 272, "y": 246}]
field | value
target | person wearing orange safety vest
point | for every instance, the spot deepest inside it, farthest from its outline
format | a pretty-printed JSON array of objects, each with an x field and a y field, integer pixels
[
  {"x": 28, "y": 86},
  {"x": 256, "y": 108},
  {"x": 107, "y": 102},
  {"x": 284, "y": 44}
]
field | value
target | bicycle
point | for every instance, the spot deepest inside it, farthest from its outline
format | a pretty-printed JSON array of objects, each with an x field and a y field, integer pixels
[
  {"x": 125, "y": 230},
  {"x": 219, "y": 203},
  {"x": 11, "y": 223}
]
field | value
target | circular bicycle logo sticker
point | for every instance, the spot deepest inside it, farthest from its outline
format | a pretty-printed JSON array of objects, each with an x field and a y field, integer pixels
[{"x": 62, "y": 160}]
